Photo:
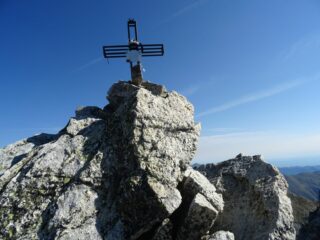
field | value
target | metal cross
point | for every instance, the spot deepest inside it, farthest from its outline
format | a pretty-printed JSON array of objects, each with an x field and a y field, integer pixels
[{"x": 133, "y": 52}]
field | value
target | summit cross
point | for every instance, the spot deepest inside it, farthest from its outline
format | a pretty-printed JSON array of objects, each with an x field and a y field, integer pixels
[{"x": 133, "y": 52}]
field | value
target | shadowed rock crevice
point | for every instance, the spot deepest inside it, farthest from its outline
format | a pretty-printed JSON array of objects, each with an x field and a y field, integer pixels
[
  {"x": 311, "y": 230},
  {"x": 18, "y": 159},
  {"x": 178, "y": 216}
]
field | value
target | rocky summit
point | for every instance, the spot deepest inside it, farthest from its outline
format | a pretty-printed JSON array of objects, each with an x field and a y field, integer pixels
[
  {"x": 123, "y": 172},
  {"x": 255, "y": 198}
]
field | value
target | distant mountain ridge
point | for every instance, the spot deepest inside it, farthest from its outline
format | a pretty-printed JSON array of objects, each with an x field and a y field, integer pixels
[
  {"x": 306, "y": 185},
  {"x": 301, "y": 210},
  {"x": 299, "y": 169}
]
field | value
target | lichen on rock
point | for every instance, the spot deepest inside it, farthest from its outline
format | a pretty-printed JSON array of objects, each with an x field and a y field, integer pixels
[{"x": 123, "y": 172}]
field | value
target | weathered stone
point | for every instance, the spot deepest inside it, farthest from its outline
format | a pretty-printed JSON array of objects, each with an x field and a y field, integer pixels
[
  {"x": 14, "y": 153},
  {"x": 124, "y": 173},
  {"x": 255, "y": 197},
  {"x": 201, "y": 216},
  {"x": 156, "y": 89},
  {"x": 75, "y": 214},
  {"x": 107, "y": 175},
  {"x": 91, "y": 111},
  {"x": 153, "y": 139},
  {"x": 195, "y": 182},
  {"x": 221, "y": 235},
  {"x": 31, "y": 187}
]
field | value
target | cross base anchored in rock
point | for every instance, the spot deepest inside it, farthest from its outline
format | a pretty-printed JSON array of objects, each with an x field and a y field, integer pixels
[{"x": 136, "y": 75}]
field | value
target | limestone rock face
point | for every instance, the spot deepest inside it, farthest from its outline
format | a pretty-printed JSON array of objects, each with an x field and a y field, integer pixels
[
  {"x": 121, "y": 172},
  {"x": 13, "y": 153},
  {"x": 256, "y": 205},
  {"x": 153, "y": 139},
  {"x": 50, "y": 192}
]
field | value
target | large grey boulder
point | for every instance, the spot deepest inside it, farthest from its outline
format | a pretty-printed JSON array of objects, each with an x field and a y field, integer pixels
[
  {"x": 194, "y": 182},
  {"x": 152, "y": 141},
  {"x": 122, "y": 172},
  {"x": 33, "y": 189},
  {"x": 256, "y": 205}
]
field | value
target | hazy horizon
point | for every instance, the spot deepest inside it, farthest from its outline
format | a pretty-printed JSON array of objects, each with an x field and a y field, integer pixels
[{"x": 293, "y": 162}]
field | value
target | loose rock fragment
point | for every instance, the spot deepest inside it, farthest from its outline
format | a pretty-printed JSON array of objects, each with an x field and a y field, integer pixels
[{"x": 201, "y": 216}]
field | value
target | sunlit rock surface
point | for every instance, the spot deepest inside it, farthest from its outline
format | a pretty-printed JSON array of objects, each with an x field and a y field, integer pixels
[
  {"x": 123, "y": 172},
  {"x": 255, "y": 198}
]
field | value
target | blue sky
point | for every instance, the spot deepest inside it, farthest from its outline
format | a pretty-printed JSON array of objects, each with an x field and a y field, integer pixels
[{"x": 251, "y": 68}]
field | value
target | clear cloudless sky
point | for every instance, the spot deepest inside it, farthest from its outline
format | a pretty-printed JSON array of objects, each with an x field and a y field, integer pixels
[{"x": 250, "y": 68}]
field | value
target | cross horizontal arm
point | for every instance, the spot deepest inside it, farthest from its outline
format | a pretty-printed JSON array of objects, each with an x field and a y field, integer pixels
[
  {"x": 120, "y": 51},
  {"x": 119, "y": 56},
  {"x": 115, "y": 51},
  {"x": 149, "y": 50},
  {"x": 117, "y": 46}
]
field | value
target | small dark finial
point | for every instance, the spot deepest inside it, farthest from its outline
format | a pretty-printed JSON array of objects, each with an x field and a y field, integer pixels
[{"x": 131, "y": 20}]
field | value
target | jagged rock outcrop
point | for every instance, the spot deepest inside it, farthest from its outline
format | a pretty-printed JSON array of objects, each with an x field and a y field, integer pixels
[
  {"x": 121, "y": 172},
  {"x": 255, "y": 198},
  {"x": 47, "y": 177}
]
